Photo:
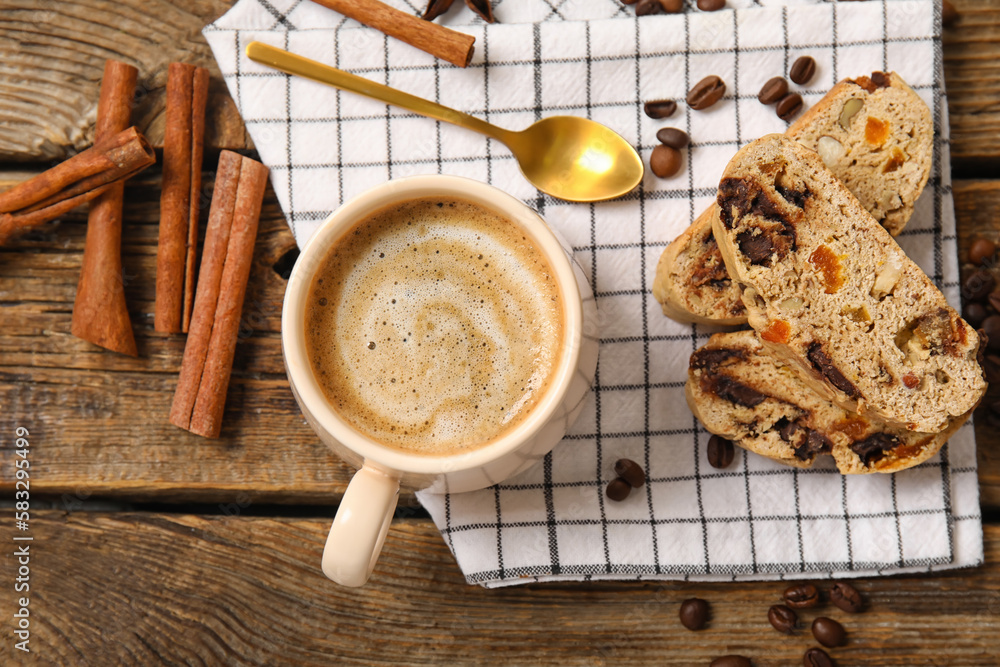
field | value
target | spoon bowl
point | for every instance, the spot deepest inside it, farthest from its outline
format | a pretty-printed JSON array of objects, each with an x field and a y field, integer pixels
[
  {"x": 576, "y": 159},
  {"x": 568, "y": 157}
]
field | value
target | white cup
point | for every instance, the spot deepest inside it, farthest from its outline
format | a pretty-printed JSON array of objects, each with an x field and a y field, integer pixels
[{"x": 366, "y": 510}]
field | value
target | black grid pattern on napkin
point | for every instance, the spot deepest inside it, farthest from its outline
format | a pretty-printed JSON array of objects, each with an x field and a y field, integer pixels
[{"x": 756, "y": 518}]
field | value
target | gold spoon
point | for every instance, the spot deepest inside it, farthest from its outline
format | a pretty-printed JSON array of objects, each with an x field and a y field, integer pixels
[{"x": 567, "y": 157}]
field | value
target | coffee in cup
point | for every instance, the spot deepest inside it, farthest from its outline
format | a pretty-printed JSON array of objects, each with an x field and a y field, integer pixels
[
  {"x": 517, "y": 338},
  {"x": 434, "y": 325}
]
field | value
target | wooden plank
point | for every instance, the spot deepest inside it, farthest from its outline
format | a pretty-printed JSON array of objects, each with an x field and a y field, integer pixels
[
  {"x": 176, "y": 589},
  {"x": 52, "y": 55},
  {"x": 972, "y": 80},
  {"x": 82, "y": 402}
]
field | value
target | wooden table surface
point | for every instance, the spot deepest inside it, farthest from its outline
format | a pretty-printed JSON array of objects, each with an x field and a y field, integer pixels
[{"x": 152, "y": 545}]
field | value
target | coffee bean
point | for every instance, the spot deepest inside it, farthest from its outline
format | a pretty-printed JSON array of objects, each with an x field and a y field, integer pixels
[
  {"x": 672, "y": 137},
  {"x": 991, "y": 327},
  {"x": 711, "y": 5},
  {"x": 829, "y": 632},
  {"x": 846, "y": 597},
  {"x": 802, "y": 596},
  {"x": 802, "y": 70},
  {"x": 628, "y": 2},
  {"x": 665, "y": 161},
  {"x": 782, "y": 618},
  {"x": 731, "y": 661},
  {"x": 788, "y": 106},
  {"x": 644, "y": 7},
  {"x": 981, "y": 251},
  {"x": 660, "y": 108},
  {"x": 672, "y": 6},
  {"x": 706, "y": 92},
  {"x": 978, "y": 285},
  {"x": 694, "y": 613},
  {"x": 772, "y": 91},
  {"x": 631, "y": 472},
  {"x": 817, "y": 657},
  {"x": 991, "y": 368},
  {"x": 720, "y": 452},
  {"x": 974, "y": 313},
  {"x": 618, "y": 489},
  {"x": 949, "y": 15},
  {"x": 994, "y": 300}
]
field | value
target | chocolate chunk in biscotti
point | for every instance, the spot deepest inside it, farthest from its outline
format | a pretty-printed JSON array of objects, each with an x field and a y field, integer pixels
[
  {"x": 852, "y": 314},
  {"x": 792, "y": 424}
]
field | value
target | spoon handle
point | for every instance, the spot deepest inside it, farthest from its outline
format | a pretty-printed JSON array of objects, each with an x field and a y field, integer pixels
[{"x": 291, "y": 63}]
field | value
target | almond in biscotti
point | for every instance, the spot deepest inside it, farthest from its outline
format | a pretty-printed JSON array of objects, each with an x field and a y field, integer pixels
[
  {"x": 873, "y": 334},
  {"x": 742, "y": 391}
]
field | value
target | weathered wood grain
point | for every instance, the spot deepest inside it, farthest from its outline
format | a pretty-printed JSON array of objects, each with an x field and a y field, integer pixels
[
  {"x": 100, "y": 419},
  {"x": 52, "y": 55},
  {"x": 972, "y": 79},
  {"x": 173, "y": 589}
]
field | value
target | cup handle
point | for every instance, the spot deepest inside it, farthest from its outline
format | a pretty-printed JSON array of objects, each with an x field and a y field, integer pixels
[{"x": 359, "y": 529}]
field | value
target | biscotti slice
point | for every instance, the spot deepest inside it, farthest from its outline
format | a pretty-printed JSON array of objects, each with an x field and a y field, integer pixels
[
  {"x": 743, "y": 392},
  {"x": 830, "y": 290},
  {"x": 692, "y": 283},
  {"x": 875, "y": 133}
]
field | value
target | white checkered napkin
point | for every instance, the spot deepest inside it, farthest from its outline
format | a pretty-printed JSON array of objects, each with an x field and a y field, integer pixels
[{"x": 594, "y": 58}]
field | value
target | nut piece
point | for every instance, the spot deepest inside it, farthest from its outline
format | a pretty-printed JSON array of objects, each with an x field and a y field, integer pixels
[
  {"x": 887, "y": 277},
  {"x": 792, "y": 303},
  {"x": 751, "y": 295},
  {"x": 851, "y": 107},
  {"x": 830, "y": 150},
  {"x": 889, "y": 201}
]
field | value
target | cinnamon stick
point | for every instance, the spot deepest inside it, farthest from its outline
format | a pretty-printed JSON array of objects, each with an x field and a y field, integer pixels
[
  {"x": 99, "y": 312},
  {"x": 200, "y": 398},
  {"x": 450, "y": 45},
  {"x": 183, "y": 141},
  {"x": 75, "y": 181}
]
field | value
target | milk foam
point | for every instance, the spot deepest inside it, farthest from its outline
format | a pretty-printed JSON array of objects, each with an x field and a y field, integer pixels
[{"x": 434, "y": 326}]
